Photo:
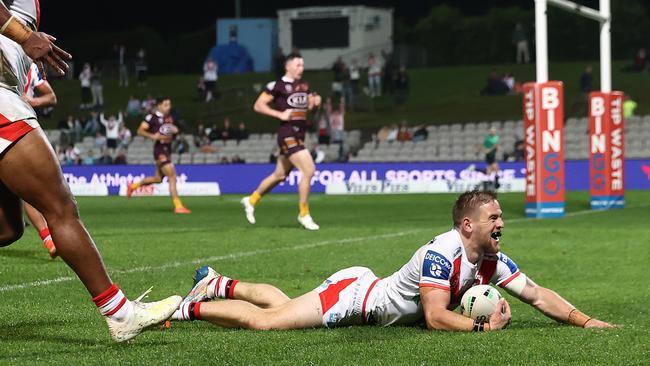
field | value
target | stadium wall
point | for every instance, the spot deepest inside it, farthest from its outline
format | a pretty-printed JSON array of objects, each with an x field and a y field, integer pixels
[{"x": 445, "y": 177}]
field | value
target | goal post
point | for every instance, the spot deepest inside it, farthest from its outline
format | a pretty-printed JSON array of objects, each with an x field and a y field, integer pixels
[{"x": 543, "y": 107}]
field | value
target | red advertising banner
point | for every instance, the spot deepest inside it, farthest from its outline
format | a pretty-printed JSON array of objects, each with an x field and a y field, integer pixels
[
  {"x": 543, "y": 125},
  {"x": 606, "y": 150}
]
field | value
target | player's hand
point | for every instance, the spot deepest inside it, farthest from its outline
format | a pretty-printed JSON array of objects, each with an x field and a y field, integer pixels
[
  {"x": 285, "y": 115},
  {"x": 595, "y": 323},
  {"x": 500, "y": 318},
  {"x": 41, "y": 48},
  {"x": 317, "y": 100},
  {"x": 174, "y": 130}
]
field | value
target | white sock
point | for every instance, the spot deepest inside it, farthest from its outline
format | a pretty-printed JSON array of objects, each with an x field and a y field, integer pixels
[
  {"x": 217, "y": 287},
  {"x": 113, "y": 304},
  {"x": 182, "y": 313}
]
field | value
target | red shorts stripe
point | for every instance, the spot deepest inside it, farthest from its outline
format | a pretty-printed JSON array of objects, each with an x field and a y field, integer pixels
[
  {"x": 504, "y": 283},
  {"x": 365, "y": 300},
  {"x": 434, "y": 285},
  {"x": 330, "y": 296},
  {"x": 15, "y": 130}
]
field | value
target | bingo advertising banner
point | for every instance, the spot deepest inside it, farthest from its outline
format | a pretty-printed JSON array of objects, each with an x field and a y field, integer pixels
[
  {"x": 543, "y": 123},
  {"x": 607, "y": 147}
]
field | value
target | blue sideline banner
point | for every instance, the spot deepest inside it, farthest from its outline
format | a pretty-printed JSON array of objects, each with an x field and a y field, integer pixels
[{"x": 244, "y": 178}]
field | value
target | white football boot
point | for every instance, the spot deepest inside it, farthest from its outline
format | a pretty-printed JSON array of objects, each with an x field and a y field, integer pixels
[
  {"x": 199, "y": 291},
  {"x": 143, "y": 316},
  {"x": 249, "y": 209},
  {"x": 308, "y": 222}
]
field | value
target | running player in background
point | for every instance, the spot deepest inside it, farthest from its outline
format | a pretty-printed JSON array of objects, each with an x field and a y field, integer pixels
[
  {"x": 30, "y": 172},
  {"x": 292, "y": 99},
  {"x": 45, "y": 98},
  {"x": 159, "y": 127},
  {"x": 425, "y": 290}
]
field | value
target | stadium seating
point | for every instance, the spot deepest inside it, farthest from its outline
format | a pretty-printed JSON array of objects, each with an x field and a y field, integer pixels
[{"x": 452, "y": 142}]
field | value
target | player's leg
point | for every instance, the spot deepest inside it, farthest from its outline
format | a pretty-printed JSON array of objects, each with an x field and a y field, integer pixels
[
  {"x": 154, "y": 179},
  {"x": 41, "y": 226},
  {"x": 302, "y": 312},
  {"x": 168, "y": 169},
  {"x": 31, "y": 171},
  {"x": 11, "y": 216},
  {"x": 303, "y": 161},
  {"x": 282, "y": 168}
]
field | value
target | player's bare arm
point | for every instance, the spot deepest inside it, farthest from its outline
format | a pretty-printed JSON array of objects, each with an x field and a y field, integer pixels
[
  {"x": 434, "y": 305},
  {"x": 549, "y": 303},
  {"x": 47, "y": 97},
  {"x": 314, "y": 101},
  {"x": 262, "y": 106},
  {"x": 142, "y": 131},
  {"x": 37, "y": 45}
]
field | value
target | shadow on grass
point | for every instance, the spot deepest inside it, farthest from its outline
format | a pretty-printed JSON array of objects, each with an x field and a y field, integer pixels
[{"x": 31, "y": 255}]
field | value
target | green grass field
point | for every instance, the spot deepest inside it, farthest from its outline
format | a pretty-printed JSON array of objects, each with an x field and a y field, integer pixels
[{"x": 597, "y": 260}]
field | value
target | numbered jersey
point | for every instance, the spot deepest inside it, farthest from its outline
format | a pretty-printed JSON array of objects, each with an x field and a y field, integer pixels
[{"x": 442, "y": 263}]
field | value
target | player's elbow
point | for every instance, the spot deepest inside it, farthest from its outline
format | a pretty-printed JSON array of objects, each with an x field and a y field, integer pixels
[
  {"x": 53, "y": 99},
  {"x": 257, "y": 107},
  {"x": 435, "y": 323}
]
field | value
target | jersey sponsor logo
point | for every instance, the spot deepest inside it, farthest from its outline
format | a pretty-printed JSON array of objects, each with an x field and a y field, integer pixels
[
  {"x": 508, "y": 262},
  {"x": 166, "y": 129},
  {"x": 436, "y": 266},
  {"x": 288, "y": 88},
  {"x": 298, "y": 100}
]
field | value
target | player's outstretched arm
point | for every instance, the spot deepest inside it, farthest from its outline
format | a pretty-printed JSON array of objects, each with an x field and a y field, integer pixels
[
  {"x": 37, "y": 45},
  {"x": 436, "y": 315},
  {"x": 262, "y": 106},
  {"x": 554, "y": 306}
]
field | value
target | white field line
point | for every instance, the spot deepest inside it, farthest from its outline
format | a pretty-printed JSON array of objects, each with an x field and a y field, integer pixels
[{"x": 41, "y": 283}]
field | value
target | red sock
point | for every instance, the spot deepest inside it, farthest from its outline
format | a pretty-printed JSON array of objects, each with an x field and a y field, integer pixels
[
  {"x": 112, "y": 303},
  {"x": 44, "y": 233},
  {"x": 196, "y": 313}
]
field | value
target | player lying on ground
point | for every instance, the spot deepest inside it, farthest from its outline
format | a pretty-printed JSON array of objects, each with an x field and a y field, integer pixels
[
  {"x": 30, "y": 172},
  {"x": 424, "y": 290}
]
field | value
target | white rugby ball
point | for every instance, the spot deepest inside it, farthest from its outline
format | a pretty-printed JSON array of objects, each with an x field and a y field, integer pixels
[{"x": 479, "y": 302}]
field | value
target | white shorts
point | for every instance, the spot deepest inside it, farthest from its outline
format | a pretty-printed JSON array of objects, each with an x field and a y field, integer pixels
[{"x": 343, "y": 296}]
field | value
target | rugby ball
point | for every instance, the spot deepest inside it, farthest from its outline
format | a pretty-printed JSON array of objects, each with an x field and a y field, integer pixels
[{"x": 479, "y": 302}]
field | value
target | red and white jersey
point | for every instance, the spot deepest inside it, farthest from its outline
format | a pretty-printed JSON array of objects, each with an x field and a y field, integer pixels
[
  {"x": 34, "y": 80},
  {"x": 442, "y": 263},
  {"x": 28, "y": 11}
]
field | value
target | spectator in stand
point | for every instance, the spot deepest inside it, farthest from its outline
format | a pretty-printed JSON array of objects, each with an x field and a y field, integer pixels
[
  {"x": 389, "y": 76},
  {"x": 84, "y": 78},
  {"x": 100, "y": 142},
  {"x": 199, "y": 133},
  {"x": 73, "y": 155},
  {"x": 120, "y": 157},
  {"x": 273, "y": 157},
  {"x": 241, "y": 133},
  {"x": 420, "y": 133},
  {"x": 581, "y": 104},
  {"x": 324, "y": 122},
  {"x": 180, "y": 146},
  {"x": 337, "y": 127},
  {"x": 92, "y": 125},
  {"x": 205, "y": 145},
  {"x": 236, "y": 159},
  {"x": 629, "y": 106},
  {"x": 509, "y": 80},
  {"x": 374, "y": 76},
  {"x": 227, "y": 133},
  {"x": 519, "y": 152},
  {"x": 133, "y": 106},
  {"x": 122, "y": 68},
  {"x": 210, "y": 69},
  {"x": 339, "y": 69},
  {"x": 317, "y": 154},
  {"x": 401, "y": 86},
  {"x": 495, "y": 85},
  {"x": 141, "y": 67},
  {"x": 404, "y": 134},
  {"x": 213, "y": 133},
  {"x": 520, "y": 40},
  {"x": 355, "y": 76},
  {"x": 393, "y": 132},
  {"x": 124, "y": 138},
  {"x": 112, "y": 126},
  {"x": 641, "y": 61},
  {"x": 148, "y": 104},
  {"x": 200, "y": 89},
  {"x": 383, "y": 133},
  {"x": 96, "y": 88}
]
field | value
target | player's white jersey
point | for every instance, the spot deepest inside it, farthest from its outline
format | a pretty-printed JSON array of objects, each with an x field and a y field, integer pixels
[
  {"x": 13, "y": 80},
  {"x": 28, "y": 11},
  {"x": 442, "y": 263},
  {"x": 34, "y": 80}
]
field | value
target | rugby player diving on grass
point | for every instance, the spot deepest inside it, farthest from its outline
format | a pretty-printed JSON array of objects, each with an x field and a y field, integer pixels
[{"x": 425, "y": 290}]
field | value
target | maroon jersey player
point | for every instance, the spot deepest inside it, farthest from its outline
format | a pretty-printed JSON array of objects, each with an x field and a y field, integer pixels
[
  {"x": 292, "y": 100},
  {"x": 159, "y": 126}
]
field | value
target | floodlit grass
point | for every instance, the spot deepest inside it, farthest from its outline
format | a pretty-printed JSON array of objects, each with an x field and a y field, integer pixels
[{"x": 597, "y": 260}]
